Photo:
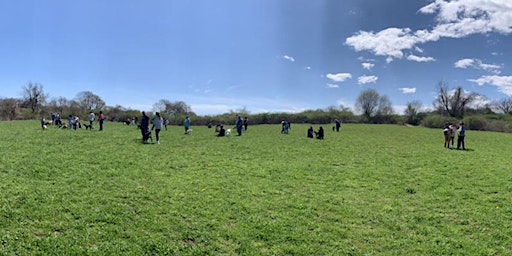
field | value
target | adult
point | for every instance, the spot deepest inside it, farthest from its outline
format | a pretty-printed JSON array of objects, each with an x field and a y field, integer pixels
[
  {"x": 461, "y": 136},
  {"x": 144, "y": 127},
  {"x": 285, "y": 127},
  {"x": 222, "y": 131},
  {"x": 101, "y": 120},
  {"x": 447, "y": 136},
  {"x": 310, "y": 132},
  {"x": 320, "y": 133},
  {"x": 186, "y": 124},
  {"x": 338, "y": 125},
  {"x": 239, "y": 124},
  {"x": 92, "y": 116},
  {"x": 246, "y": 123},
  {"x": 452, "y": 128},
  {"x": 157, "y": 126}
]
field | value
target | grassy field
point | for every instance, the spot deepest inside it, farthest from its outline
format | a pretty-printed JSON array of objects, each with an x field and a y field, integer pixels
[{"x": 368, "y": 190}]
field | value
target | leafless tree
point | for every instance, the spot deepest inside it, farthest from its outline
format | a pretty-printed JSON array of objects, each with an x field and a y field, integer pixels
[
  {"x": 452, "y": 102},
  {"x": 504, "y": 105},
  {"x": 172, "y": 108},
  {"x": 367, "y": 103},
  {"x": 9, "y": 108},
  {"x": 385, "y": 107},
  {"x": 89, "y": 101},
  {"x": 34, "y": 96}
]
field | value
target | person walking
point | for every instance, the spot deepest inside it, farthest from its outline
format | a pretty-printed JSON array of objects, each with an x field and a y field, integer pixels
[
  {"x": 338, "y": 125},
  {"x": 186, "y": 124},
  {"x": 157, "y": 126},
  {"x": 101, "y": 120},
  {"x": 461, "y": 136},
  {"x": 91, "y": 118},
  {"x": 144, "y": 127}
]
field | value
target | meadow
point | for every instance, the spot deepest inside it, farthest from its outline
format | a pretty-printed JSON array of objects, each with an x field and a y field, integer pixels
[{"x": 367, "y": 190}]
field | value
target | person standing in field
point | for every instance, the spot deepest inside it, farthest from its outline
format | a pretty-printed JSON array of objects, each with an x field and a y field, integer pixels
[
  {"x": 461, "y": 136},
  {"x": 452, "y": 128},
  {"x": 144, "y": 127},
  {"x": 91, "y": 118},
  {"x": 157, "y": 126},
  {"x": 239, "y": 124},
  {"x": 246, "y": 123},
  {"x": 186, "y": 124},
  {"x": 446, "y": 134},
  {"x": 101, "y": 120},
  {"x": 338, "y": 125}
]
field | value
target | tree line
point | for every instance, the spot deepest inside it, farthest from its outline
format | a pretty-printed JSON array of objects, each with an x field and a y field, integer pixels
[{"x": 450, "y": 105}]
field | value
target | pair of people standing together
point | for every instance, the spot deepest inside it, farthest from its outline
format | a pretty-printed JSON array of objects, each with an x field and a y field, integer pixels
[{"x": 144, "y": 127}]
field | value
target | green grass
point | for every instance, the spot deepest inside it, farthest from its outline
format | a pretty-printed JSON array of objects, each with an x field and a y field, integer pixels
[{"x": 368, "y": 190}]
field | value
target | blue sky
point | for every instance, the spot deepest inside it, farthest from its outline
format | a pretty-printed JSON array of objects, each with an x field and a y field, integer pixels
[{"x": 261, "y": 55}]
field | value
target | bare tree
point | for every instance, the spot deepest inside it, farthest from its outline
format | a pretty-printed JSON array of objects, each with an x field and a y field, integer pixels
[
  {"x": 89, "y": 101},
  {"x": 172, "y": 108},
  {"x": 504, "y": 105},
  {"x": 34, "y": 96},
  {"x": 385, "y": 107},
  {"x": 452, "y": 102},
  {"x": 367, "y": 103},
  {"x": 9, "y": 108},
  {"x": 412, "y": 112},
  {"x": 62, "y": 103}
]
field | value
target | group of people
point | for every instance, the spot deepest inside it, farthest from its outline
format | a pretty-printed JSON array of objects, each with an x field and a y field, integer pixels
[
  {"x": 73, "y": 121},
  {"x": 319, "y": 134},
  {"x": 449, "y": 135}
]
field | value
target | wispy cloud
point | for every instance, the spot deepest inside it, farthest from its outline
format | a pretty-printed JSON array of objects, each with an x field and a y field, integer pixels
[
  {"x": 420, "y": 59},
  {"x": 331, "y": 86},
  {"x": 290, "y": 58},
  {"x": 367, "y": 79},
  {"x": 477, "y": 64},
  {"x": 455, "y": 19},
  {"x": 340, "y": 77},
  {"x": 407, "y": 90},
  {"x": 504, "y": 83},
  {"x": 307, "y": 68},
  {"x": 367, "y": 65}
]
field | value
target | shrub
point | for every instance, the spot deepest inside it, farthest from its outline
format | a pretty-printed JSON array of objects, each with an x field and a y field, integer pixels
[
  {"x": 476, "y": 123},
  {"x": 437, "y": 121}
]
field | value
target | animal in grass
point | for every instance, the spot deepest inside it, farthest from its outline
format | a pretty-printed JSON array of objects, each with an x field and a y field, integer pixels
[
  {"x": 147, "y": 137},
  {"x": 88, "y": 127},
  {"x": 45, "y": 127},
  {"x": 188, "y": 132},
  {"x": 228, "y": 132}
]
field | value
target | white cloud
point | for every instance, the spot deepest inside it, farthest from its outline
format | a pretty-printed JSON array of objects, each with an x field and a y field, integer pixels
[
  {"x": 464, "y": 63},
  {"x": 332, "y": 86},
  {"x": 407, "y": 90},
  {"x": 290, "y": 58},
  {"x": 340, "y": 77},
  {"x": 478, "y": 64},
  {"x": 504, "y": 83},
  {"x": 367, "y": 79},
  {"x": 367, "y": 65},
  {"x": 307, "y": 68},
  {"x": 420, "y": 59},
  {"x": 455, "y": 19},
  {"x": 418, "y": 49}
]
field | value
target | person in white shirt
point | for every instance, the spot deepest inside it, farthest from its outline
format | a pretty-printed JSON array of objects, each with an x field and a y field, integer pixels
[{"x": 91, "y": 118}]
